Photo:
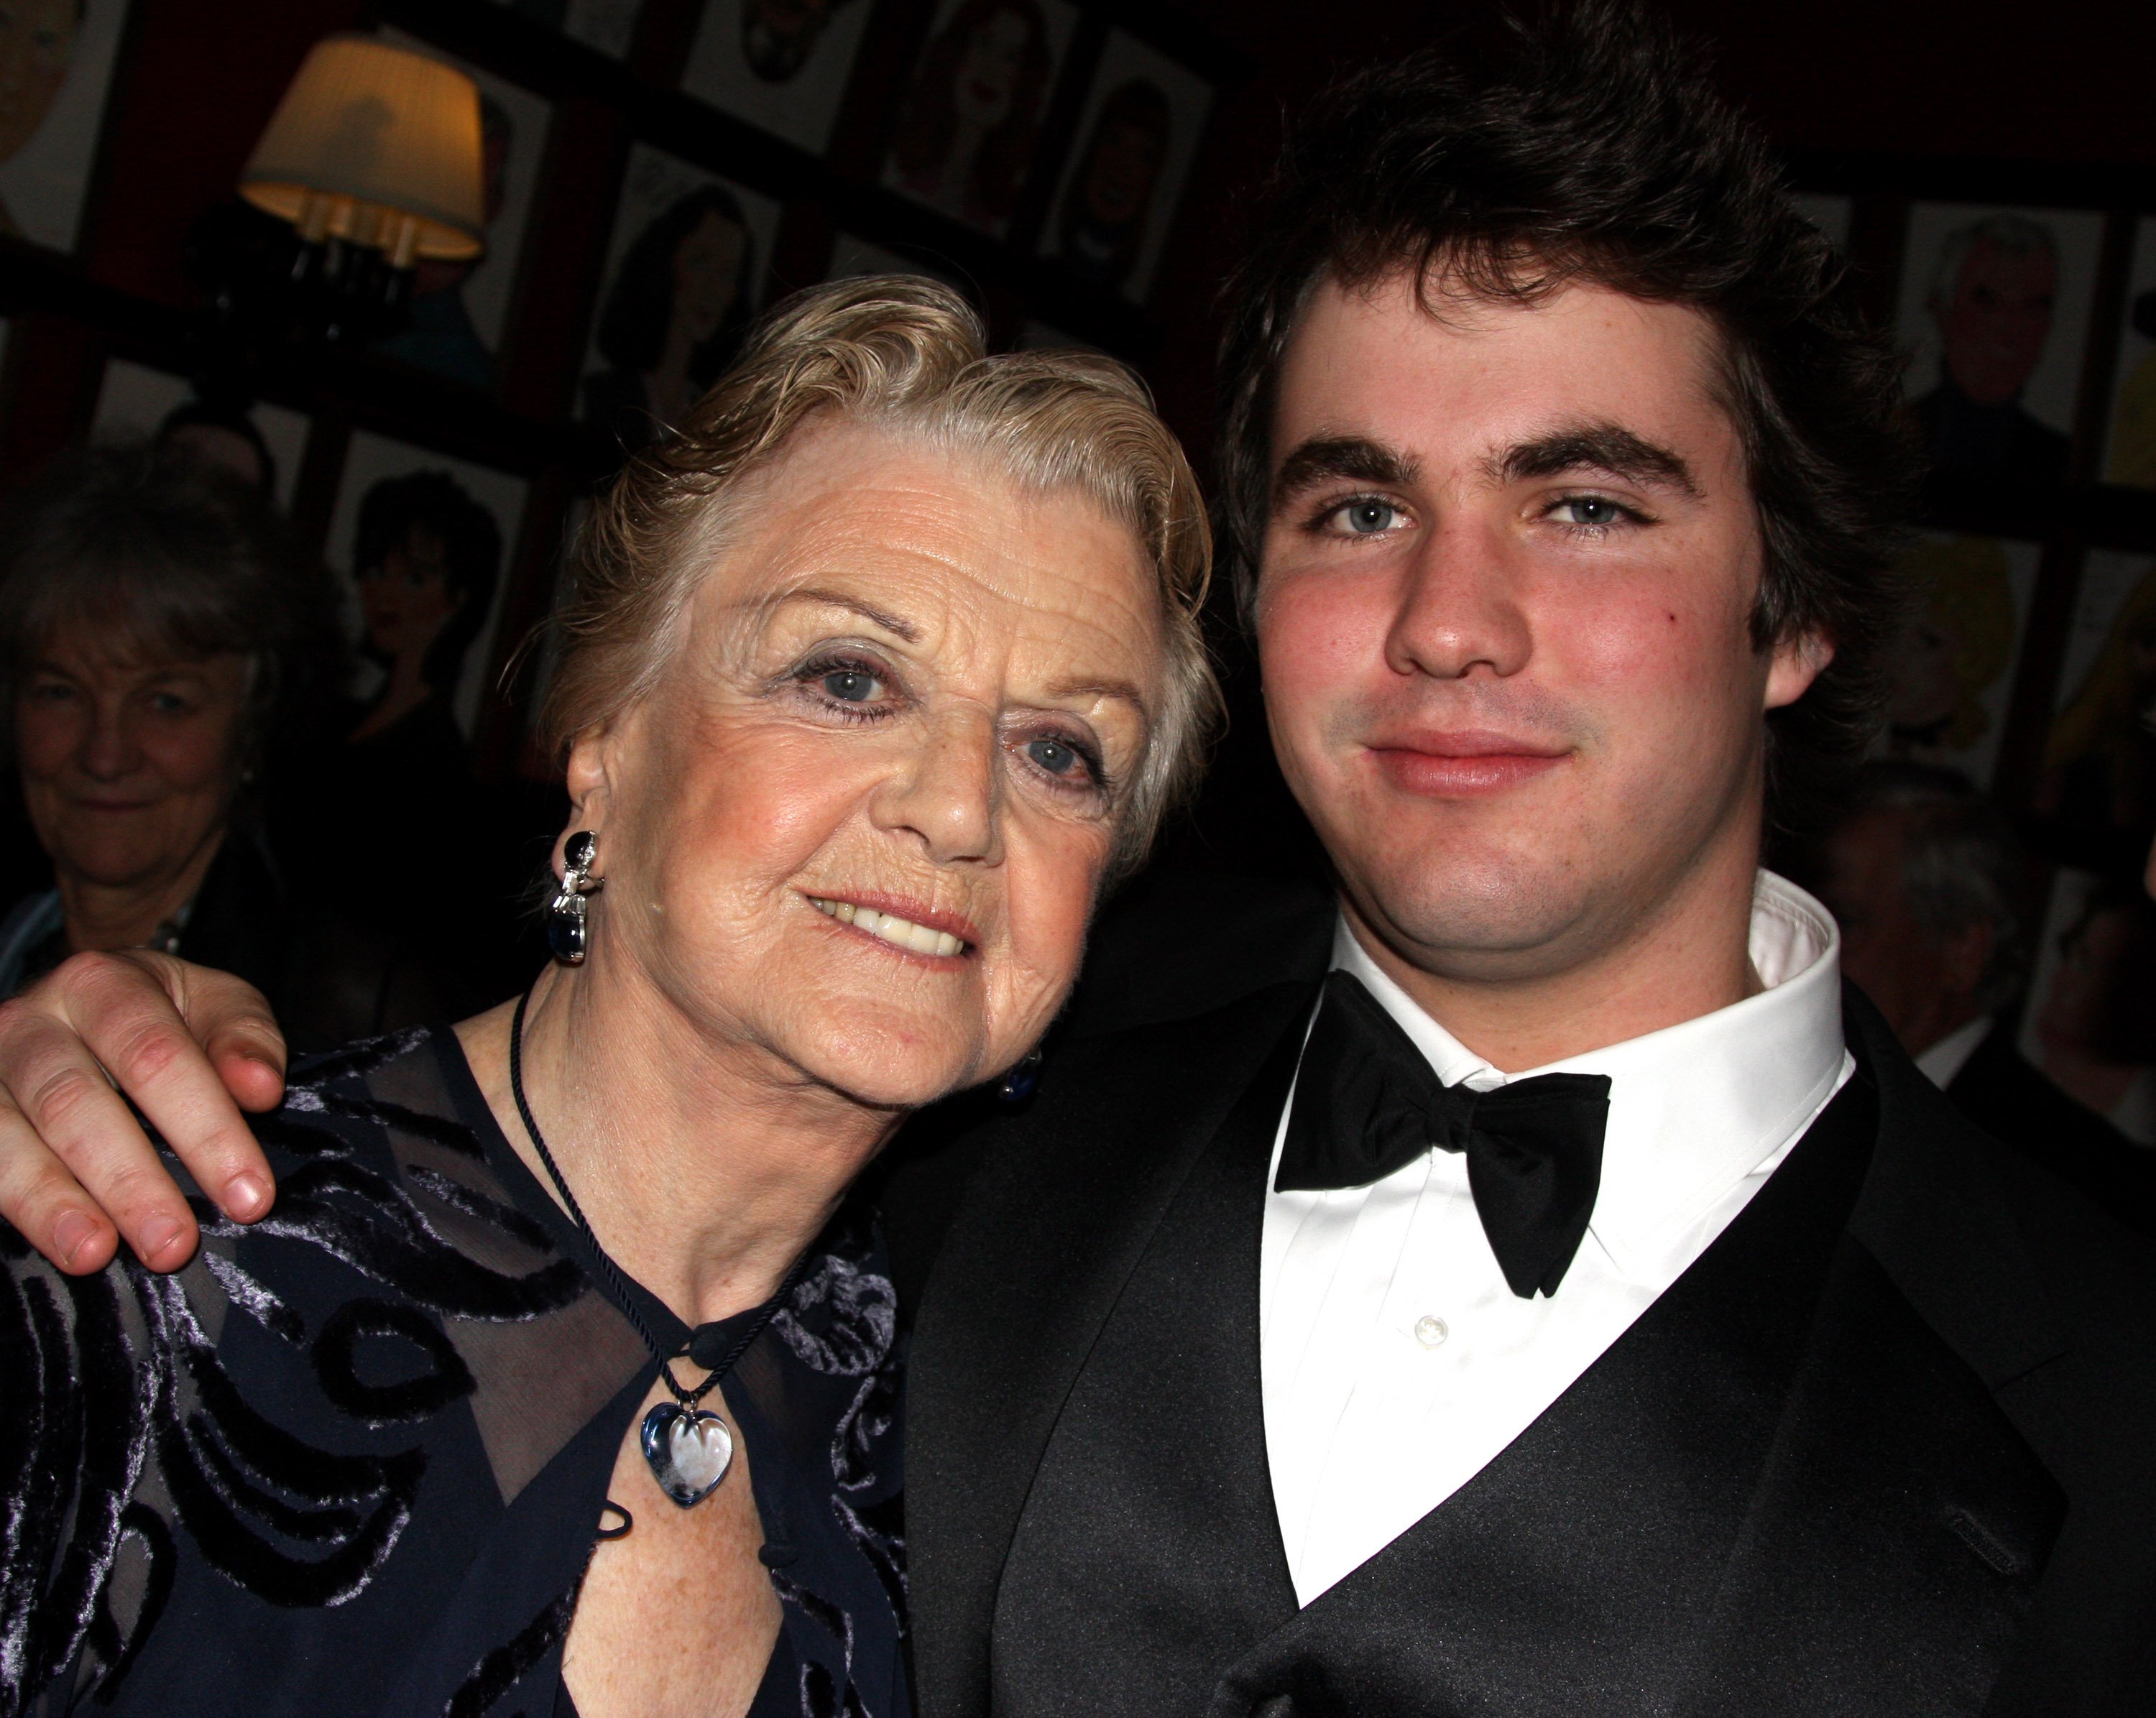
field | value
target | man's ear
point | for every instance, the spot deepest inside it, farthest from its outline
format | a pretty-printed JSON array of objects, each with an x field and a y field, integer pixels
[{"x": 1795, "y": 664}]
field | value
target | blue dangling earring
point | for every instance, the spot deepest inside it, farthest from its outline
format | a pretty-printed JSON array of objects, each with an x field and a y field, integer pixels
[
  {"x": 565, "y": 913},
  {"x": 1018, "y": 1085}
]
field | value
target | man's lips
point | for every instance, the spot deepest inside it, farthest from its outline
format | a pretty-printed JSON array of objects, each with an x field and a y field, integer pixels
[{"x": 1465, "y": 762}]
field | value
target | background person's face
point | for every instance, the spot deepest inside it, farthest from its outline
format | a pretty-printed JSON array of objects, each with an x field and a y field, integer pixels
[
  {"x": 1512, "y": 678},
  {"x": 2083, "y": 982},
  {"x": 706, "y": 271},
  {"x": 405, "y": 600},
  {"x": 777, "y": 36},
  {"x": 1924, "y": 690},
  {"x": 227, "y": 450},
  {"x": 1120, "y": 180},
  {"x": 36, "y": 38},
  {"x": 987, "y": 81},
  {"x": 910, "y": 688},
  {"x": 1925, "y": 984},
  {"x": 127, "y": 767},
  {"x": 1993, "y": 328}
]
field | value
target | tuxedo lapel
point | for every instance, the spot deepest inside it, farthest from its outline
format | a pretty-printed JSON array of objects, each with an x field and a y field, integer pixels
[
  {"x": 1149, "y": 1551},
  {"x": 1052, "y": 1224},
  {"x": 1778, "y": 1486}
]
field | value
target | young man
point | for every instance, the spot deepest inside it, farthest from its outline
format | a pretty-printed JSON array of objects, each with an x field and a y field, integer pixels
[{"x": 1529, "y": 1293}]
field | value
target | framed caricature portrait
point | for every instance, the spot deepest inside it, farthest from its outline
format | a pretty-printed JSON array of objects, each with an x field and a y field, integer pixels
[
  {"x": 781, "y": 64},
  {"x": 1953, "y": 674},
  {"x": 134, "y": 400},
  {"x": 1994, "y": 315},
  {"x": 1139, "y": 131},
  {"x": 2129, "y": 454},
  {"x": 684, "y": 274},
  {"x": 2100, "y": 761},
  {"x": 459, "y": 309},
  {"x": 56, "y": 60},
  {"x": 421, "y": 545},
  {"x": 971, "y": 120}
]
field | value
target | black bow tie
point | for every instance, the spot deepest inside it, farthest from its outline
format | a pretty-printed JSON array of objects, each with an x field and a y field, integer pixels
[{"x": 1367, "y": 1103}]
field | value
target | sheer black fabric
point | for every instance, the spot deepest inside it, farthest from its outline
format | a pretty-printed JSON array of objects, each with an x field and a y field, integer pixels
[{"x": 353, "y": 1460}]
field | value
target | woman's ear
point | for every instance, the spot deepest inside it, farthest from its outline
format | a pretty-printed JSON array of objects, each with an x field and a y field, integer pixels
[{"x": 589, "y": 779}]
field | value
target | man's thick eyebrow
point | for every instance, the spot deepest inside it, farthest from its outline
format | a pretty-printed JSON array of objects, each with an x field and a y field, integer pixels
[
  {"x": 1325, "y": 459},
  {"x": 1594, "y": 446},
  {"x": 892, "y": 624}
]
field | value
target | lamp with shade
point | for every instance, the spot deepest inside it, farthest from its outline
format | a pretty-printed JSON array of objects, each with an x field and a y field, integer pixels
[{"x": 374, "y": 157}]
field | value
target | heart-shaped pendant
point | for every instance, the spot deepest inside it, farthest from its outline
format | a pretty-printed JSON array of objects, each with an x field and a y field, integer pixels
[{"x": 689, "y": 1450}]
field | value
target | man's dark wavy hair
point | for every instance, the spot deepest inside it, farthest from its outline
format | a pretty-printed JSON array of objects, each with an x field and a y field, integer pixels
[{"x": 1596, "y": 150}]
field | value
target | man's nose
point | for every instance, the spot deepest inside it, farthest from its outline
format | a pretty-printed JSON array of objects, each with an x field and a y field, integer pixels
[
  {"x": 948, "y": 792},
  {"x": 1459, "y": 608}
]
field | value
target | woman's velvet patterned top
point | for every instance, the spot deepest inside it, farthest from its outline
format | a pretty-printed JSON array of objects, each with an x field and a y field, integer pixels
[{"x": 351, "y": 1459}]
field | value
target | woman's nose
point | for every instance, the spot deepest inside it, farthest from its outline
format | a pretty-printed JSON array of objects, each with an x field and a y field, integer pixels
[
  {"x": 948, "y": 791},
  {"x": 108, "y": 750}
]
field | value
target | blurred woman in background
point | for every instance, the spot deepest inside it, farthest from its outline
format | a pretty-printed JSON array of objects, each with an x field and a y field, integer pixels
[{"x": 155, "y": 631}]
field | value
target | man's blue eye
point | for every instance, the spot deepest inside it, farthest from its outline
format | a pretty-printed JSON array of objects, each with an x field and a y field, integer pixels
[
  {"x": 1365, "y": 518},
  {"x": 1054, "y": 755},
  {"x": 1593, "y": 509},
  {"x": 850, "y": 686}
]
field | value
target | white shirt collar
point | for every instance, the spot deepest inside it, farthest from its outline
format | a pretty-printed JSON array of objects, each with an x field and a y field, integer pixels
[{"x": 1696, "y": 1107}]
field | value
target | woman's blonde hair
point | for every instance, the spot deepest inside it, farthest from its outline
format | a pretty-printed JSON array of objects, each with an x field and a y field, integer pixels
[{"x": 909, "y": 354}]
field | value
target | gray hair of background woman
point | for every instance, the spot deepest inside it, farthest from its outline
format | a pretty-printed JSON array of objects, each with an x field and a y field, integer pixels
[
  {"x": 162, "y": 558},
  {"x": 1961, "y": 864},
  {"x": 909, "y": 355}
]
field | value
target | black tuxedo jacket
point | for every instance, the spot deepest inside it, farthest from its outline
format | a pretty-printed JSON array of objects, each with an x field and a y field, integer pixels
[{"x": 1886, "y": 1449}]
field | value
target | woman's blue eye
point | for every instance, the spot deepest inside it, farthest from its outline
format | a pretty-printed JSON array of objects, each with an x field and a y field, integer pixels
[
  {"x": 1054, "y": 755},
  {"x": 850, "y": 686},
  {"x": 1592, "y": 510},
  {"x": 1367, "y": 518}
]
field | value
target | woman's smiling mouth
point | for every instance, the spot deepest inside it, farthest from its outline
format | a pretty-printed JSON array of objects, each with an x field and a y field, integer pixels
[{"x": 902, "y": 933}]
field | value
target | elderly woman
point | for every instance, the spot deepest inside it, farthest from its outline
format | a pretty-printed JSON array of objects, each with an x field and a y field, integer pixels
[
  {"x": 563, "y": 1377},
  {"x": 154, "y": 631}
]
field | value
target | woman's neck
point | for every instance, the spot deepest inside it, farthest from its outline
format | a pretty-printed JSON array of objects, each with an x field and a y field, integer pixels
[
  {"x": 704, "y": 1168},
  {"x": 105, "y": 917}
]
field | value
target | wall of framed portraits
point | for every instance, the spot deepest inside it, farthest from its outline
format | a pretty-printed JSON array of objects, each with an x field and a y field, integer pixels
[
  {"x": 2024, "y": 301},
  {"x": 656, "y": 172}
]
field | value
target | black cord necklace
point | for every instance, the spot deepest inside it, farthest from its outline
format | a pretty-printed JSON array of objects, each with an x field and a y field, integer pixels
[{"x": 688, "y": 1449}]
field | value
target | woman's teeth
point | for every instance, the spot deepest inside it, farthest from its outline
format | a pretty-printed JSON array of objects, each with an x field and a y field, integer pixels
[{"x": 921, "y": 939}]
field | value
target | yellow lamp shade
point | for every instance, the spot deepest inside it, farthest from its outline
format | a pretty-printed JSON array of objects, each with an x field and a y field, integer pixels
[{"x": 377, "y": 145}]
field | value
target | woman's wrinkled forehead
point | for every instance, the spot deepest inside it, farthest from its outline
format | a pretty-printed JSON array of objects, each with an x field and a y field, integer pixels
[{"x": 928, "y": 541}]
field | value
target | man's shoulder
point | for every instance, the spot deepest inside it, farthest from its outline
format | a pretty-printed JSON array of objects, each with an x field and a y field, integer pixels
[{"x": 2039, "y": 1288}]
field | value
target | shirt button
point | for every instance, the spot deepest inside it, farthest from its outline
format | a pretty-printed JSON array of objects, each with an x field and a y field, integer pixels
[{"x": 1430, "y": 1331}]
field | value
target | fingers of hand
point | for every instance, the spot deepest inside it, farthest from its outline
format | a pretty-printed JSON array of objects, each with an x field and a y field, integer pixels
[
  {"x": 46, "y": 1203},
  {"x": 122, "y": 1007}
]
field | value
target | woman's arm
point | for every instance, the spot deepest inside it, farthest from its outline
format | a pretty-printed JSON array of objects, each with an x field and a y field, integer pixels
[{"x": 190, "y": 1046}]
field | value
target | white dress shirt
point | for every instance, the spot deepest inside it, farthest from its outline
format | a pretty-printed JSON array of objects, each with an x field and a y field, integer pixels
[{"x": 1396, "y": 1361}]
